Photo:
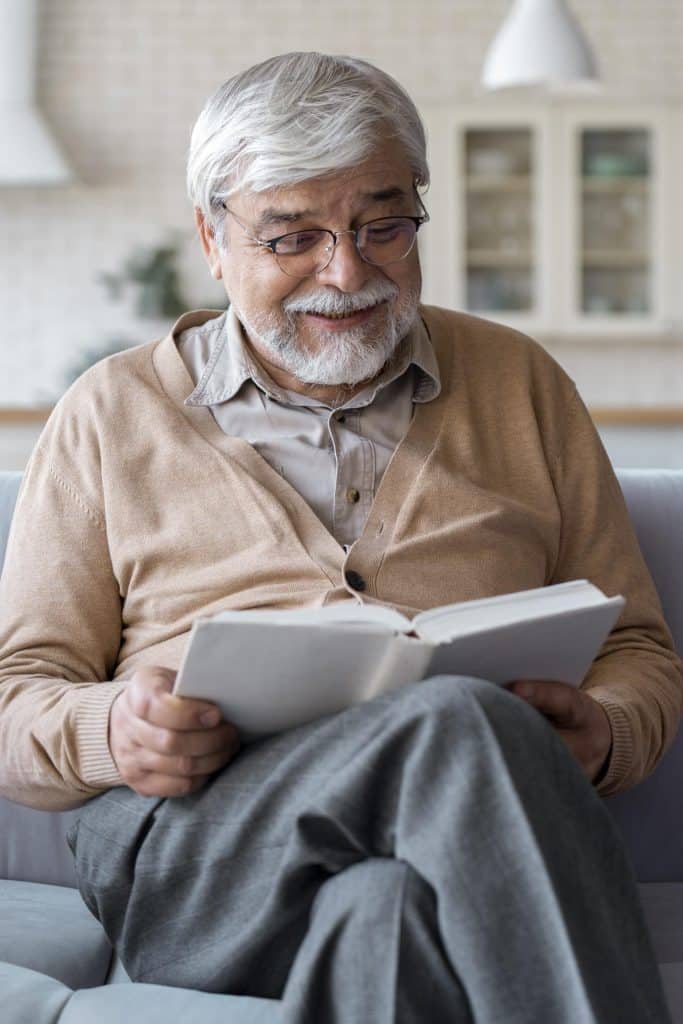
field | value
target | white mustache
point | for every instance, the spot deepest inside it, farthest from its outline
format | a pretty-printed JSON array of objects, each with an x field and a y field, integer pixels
[{"x": 338, "y": 304}]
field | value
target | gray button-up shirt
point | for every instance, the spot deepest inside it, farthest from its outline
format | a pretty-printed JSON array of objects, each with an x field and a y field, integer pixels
[{"x": 334, "y": 457}]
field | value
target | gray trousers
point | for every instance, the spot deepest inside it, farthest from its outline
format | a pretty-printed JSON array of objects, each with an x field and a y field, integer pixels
[{"x": 433, "y": 855}]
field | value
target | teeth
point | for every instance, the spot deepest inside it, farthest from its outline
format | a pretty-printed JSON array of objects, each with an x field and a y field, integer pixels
[{"x": 343, "y": 316}]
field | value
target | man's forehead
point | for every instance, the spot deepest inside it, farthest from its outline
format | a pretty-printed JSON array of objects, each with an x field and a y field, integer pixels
[
  {"x": 289, "y": 210},
  {"x": 383, "y": 177}
]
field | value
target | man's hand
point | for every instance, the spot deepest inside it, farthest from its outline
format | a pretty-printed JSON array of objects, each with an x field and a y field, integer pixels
[
  {"x": 580, "y": 721},
  {"x": 165, "y": 745}
]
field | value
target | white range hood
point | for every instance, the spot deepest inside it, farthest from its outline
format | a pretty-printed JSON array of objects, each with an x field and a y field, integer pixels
[{"x": 28, "y": 153}]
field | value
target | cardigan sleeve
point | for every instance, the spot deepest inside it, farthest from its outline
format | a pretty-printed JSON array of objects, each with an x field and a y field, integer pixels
[
  {"x": 637, "y": 675},
  {"x": 60, "y": 631}
]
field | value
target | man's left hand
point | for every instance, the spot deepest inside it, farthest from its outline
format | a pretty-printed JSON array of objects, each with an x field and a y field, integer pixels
[{"x": 580, "y": 721}]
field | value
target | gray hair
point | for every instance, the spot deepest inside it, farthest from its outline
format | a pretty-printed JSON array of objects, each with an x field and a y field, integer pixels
[{"x": 294, "y": 117}]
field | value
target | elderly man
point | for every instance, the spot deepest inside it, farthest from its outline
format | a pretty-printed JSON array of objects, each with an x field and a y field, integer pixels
[{"x": 437, "y": 854}]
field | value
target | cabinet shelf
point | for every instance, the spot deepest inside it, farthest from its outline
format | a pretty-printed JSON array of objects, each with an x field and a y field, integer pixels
[
  {"x": 640, "y": 185},
  {"x": 498, "y": 183},
  {"x": 619, "y": 259},
  {"x": 498, "y": 258}
]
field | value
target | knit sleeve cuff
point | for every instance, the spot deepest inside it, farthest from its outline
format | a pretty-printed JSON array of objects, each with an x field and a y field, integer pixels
[
  {"x": 621, "y": 754},
  {"x": 97, "y": 767}
]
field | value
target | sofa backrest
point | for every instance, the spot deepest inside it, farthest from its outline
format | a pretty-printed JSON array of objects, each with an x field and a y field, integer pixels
[
  {"x": 9, "y": 488},
  {"x": 32, "y": 843},
  {"x": 649, "y": 816}
]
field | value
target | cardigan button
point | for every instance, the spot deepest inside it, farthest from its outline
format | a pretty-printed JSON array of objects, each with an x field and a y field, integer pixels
[{"x": 355, "y": 580}]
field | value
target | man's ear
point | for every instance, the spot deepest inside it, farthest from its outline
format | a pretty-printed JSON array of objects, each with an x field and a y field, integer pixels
[{"x": 209, "y": 245}]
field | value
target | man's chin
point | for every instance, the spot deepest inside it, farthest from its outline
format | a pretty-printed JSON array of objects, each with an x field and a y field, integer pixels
[{"x": 343, "y": 376}]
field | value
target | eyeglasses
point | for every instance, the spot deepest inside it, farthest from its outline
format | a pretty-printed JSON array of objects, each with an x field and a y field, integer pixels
[{"x": 304, "y": 253}]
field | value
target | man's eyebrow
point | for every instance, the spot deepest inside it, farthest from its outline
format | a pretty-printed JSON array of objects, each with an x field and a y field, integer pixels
[
  {"x": 384, "y": 195},
  {"x": 271, "y": 215}
]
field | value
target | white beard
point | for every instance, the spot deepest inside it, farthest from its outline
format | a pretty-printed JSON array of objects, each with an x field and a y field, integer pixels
[{"x": 350, "y": 356}]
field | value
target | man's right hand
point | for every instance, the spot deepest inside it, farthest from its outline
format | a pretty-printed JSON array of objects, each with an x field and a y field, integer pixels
[{"x": 160, "y": 743}]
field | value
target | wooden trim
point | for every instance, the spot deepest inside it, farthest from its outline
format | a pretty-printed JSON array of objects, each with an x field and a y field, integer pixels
[
  {"x": 20, "y": 415},
  {"x": 638, "y": 416},
  {"x": 633, "y": 415}
]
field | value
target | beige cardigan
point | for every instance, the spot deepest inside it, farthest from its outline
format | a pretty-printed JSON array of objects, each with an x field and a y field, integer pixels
[{"x": 137, "y": 514}]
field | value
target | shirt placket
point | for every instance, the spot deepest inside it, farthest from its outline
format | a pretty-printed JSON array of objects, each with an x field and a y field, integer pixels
[{"x": 354, "y": 474}]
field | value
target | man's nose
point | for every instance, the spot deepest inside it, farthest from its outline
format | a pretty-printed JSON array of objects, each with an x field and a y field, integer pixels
[{"x": 346, "y": 270}]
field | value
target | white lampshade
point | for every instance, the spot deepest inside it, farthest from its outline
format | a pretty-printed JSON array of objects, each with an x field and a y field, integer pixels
[{"x": 539, "y": 43}]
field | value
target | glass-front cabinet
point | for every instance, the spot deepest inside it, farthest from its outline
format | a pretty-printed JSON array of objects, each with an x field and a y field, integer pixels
[
  {"x": 616, "y": 257},
  {"x": 618, "y": 223},
  {"x": 499, "y": 212},
  {"x": 550, "y": 217}
]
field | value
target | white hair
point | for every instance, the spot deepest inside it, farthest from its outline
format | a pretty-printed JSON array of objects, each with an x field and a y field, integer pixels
[{"x": 294, "y": 117}]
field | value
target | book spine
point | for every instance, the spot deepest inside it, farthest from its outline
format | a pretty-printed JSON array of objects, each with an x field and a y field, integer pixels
[{"x": 405, "y": 660}]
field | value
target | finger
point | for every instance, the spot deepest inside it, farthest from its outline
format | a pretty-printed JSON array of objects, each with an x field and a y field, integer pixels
[
  {"x": 559, "y": 701},
  {"x": 181, "y": 765},
  {"x": 178, "y": 742},
  {"x": 153, "y": 703}
]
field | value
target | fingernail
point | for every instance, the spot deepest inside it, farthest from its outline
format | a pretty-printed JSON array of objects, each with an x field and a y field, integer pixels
[{"x": 210, "y": 717}]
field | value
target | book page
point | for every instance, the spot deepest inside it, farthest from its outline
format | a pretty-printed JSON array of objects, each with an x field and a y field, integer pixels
[
  {"x": 267, "y": 677},
  {"x": 442, "y": 624},
  {"x": 556, "y": 647},
  {"x": 370, "y": 616}
]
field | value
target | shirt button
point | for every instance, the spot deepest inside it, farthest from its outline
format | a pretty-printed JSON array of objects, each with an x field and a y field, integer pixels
[
  {"x": 355, "y": 580},
  {"x": 352, "y": 495}
]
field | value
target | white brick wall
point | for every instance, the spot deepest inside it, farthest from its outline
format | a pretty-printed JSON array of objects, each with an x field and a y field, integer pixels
[{"x": 122, "y": 83}]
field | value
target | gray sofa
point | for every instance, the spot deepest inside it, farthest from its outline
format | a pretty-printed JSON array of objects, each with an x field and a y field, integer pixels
[{"x": 56, "y": 963}]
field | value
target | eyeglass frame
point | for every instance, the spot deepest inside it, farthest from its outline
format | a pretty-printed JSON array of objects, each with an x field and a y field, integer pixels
[{"x": 270, "y": 243}]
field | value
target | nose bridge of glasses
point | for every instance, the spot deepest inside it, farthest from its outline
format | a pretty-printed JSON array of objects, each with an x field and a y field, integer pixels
[
  {"x": 357, "y": 240},
  {"x": 333, "y": 237}
]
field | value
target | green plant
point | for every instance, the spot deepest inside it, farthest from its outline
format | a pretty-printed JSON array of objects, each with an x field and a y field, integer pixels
[{"x": 153, "y": 271}]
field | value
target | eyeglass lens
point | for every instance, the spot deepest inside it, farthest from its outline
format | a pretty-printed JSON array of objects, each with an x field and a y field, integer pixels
[{"x": 380, "y": 242}]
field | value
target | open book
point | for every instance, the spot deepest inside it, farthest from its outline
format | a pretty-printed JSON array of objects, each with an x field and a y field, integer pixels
[{"x": 271, "y": 670}]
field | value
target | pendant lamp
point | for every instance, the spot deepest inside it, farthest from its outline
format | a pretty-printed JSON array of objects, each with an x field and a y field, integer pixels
[
  {"x": 29, "y": 154},
  {"x": 539, "y": 43}
]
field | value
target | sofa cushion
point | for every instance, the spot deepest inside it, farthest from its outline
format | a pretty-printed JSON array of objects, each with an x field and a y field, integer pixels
[
  {"x": 48, "y": 928},
  {"x": 662, "y": 904},
  {"x": 29, "y": 997},
  {"x": 159, "y": 1004},
  {"x": 672, "y": 980}
]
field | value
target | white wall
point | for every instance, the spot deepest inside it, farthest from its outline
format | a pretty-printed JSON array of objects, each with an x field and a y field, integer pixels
[{"x": 122, "y": 84}]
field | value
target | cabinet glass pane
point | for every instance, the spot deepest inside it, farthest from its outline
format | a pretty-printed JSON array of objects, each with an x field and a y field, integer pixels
[
  {"x": 616, "y": 206},
  {"x": 499, "y": 219}
]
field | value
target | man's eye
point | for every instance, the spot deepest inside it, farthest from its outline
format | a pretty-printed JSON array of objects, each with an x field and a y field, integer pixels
[
  {"x": 385, "y": 232},
  {"x": 298, "y": 241}
]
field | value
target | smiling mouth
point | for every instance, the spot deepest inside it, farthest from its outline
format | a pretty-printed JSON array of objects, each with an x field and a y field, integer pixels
[{"x": 357, "y": 314}]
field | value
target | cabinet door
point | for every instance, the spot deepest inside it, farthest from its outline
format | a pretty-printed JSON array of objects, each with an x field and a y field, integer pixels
[
  {"x": 499, "y": 254},
  {"x": 616, "y": 232},
  {"x": 483, "y": 250}
]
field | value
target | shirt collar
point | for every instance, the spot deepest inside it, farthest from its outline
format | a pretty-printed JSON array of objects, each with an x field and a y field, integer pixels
[{"x": 230, "y": 364}]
